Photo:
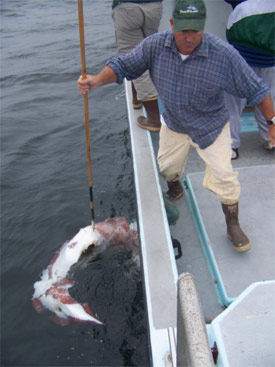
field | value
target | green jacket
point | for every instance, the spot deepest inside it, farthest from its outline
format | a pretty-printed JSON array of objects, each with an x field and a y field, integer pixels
[
  {"x": 116, "y": 2},
  {"x": 251, "y": 30}
]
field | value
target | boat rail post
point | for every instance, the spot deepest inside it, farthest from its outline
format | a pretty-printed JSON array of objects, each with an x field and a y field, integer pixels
[{"x": 193, "y": 349}]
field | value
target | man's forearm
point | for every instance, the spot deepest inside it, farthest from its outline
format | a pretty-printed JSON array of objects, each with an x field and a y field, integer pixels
[
  {"x": 267, "y": 108},
  {"x": 106, "y": 76}
]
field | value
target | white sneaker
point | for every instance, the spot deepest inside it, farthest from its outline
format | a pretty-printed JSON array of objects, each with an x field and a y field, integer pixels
[{"x": 268, "y": 145}]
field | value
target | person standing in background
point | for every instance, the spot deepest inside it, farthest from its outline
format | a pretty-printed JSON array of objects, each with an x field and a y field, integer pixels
[
  {"x": 134, "y": 21},
  {"x": 251, "y": 30}
]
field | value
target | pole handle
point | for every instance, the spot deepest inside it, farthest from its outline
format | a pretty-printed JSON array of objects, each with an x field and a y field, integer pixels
[{"x": 86, "y": 106}]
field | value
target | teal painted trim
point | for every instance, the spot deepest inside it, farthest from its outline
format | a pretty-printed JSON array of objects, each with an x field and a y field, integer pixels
[
  {"x": 248, "y": 122},
  {"x": 248, "y": 129},
  {"x": 205, "y": 243}
]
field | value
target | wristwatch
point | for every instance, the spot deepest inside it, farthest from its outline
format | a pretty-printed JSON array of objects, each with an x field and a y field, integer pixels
[{"x": 271, "y": 122}]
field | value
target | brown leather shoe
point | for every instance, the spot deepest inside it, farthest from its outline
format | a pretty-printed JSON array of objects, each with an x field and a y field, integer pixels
[
  {"x": 152, "y": 122},
  {"x": 175, "y": 190}
]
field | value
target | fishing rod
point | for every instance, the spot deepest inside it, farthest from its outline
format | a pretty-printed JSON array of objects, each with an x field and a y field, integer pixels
[{"x": 86, "y": 107}]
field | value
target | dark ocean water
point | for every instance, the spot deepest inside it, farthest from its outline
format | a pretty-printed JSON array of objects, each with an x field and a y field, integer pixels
[{"x": 44, "y": 186}]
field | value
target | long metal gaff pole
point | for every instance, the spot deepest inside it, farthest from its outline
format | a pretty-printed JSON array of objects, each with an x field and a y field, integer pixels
[{"x": 86, "y": 108}]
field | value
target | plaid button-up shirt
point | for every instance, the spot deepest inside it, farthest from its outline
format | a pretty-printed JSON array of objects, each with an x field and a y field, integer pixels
[{"x": 192, "y": 91}]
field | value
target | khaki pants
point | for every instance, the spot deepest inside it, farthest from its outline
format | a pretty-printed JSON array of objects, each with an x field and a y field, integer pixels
[
  {"x": 133, "y": 22},
  {"x": 219, "y": 175}
]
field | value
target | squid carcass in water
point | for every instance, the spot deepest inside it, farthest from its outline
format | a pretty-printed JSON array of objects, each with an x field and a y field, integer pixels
[{"x": 52, "y": 291}]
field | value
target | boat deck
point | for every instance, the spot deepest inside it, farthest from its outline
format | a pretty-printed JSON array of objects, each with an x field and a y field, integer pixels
[
  {"x": 234, "y": 272},
  {"x": 245, "y": 331}
]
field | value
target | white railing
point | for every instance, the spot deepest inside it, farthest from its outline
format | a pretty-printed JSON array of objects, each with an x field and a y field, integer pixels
[{"x": 193, "y": 349}]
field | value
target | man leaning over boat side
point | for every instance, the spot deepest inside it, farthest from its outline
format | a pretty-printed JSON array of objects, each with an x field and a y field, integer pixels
[
  {"x": 134, "y": 20},
  {"x": 191, "y": 70}
]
